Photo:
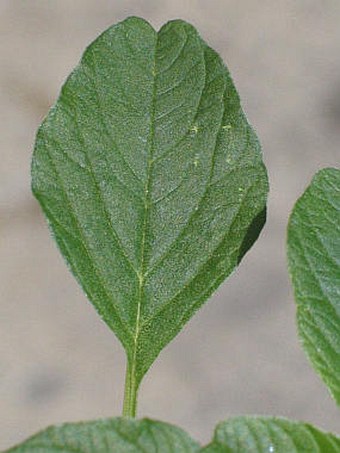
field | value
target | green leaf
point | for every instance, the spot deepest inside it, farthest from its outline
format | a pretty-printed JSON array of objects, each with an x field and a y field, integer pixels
[
  {"x": 270, "y": 435},
  {"x": 117, "y": 435},
  {"x": 314, "y": 263},
  {"x": 237, "y": 435},
  {"x": 151, "y": 179}
]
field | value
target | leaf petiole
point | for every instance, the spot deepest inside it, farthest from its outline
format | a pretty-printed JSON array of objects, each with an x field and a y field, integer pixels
[{"x": 130, "y": 392}]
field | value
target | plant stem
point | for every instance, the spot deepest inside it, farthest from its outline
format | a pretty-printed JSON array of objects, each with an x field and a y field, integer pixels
[{"x": 130, "y": 392}]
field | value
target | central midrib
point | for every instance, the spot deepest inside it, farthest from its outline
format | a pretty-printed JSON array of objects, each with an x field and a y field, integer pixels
[{"x": 141, "y": 274}]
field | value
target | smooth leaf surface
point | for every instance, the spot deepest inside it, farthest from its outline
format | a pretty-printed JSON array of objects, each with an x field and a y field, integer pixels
[
  {"x": 151, "y": 179},
  {"x": 116, "y": 435},
  {"x": 270, "y": 435},
  {"x": 314, "y": 262}
]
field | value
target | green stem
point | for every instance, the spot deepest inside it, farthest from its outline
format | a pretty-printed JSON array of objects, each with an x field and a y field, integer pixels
[{"x": 130, "y": 392}]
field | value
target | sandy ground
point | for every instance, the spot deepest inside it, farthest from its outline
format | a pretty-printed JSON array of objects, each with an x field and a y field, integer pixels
[{"x": 240, "y": 354}]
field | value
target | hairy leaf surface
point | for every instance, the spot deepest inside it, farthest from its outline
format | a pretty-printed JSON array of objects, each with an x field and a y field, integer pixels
[
  {"x": 151, "y": 179},
  {"x": 117, "y": 435},
  {"x": 237, "y": 435},
  {"x": 314, "y": 262},
  {"x": 270, "y": 435}
]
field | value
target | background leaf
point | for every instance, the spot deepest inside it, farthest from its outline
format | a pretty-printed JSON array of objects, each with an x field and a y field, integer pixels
[
  {"x": 151, "y": 179},
  {"x": 314, "y": 263},
  {"x": 270, "y": 435},
  {"x": 117, "y": 435}
]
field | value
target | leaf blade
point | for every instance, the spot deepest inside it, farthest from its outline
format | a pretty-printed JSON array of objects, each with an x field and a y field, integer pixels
[
  {"x": 272, "y": 435},
  {"x": 314, "y": 263},
  {"x": 151, "y": 179},
  {"x": 104, "y": 436},
  {"x": 237, "y": 435}
]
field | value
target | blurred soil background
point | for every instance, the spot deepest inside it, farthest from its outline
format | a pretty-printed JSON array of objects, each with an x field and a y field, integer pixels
[{"x": 240, "y": 354}]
